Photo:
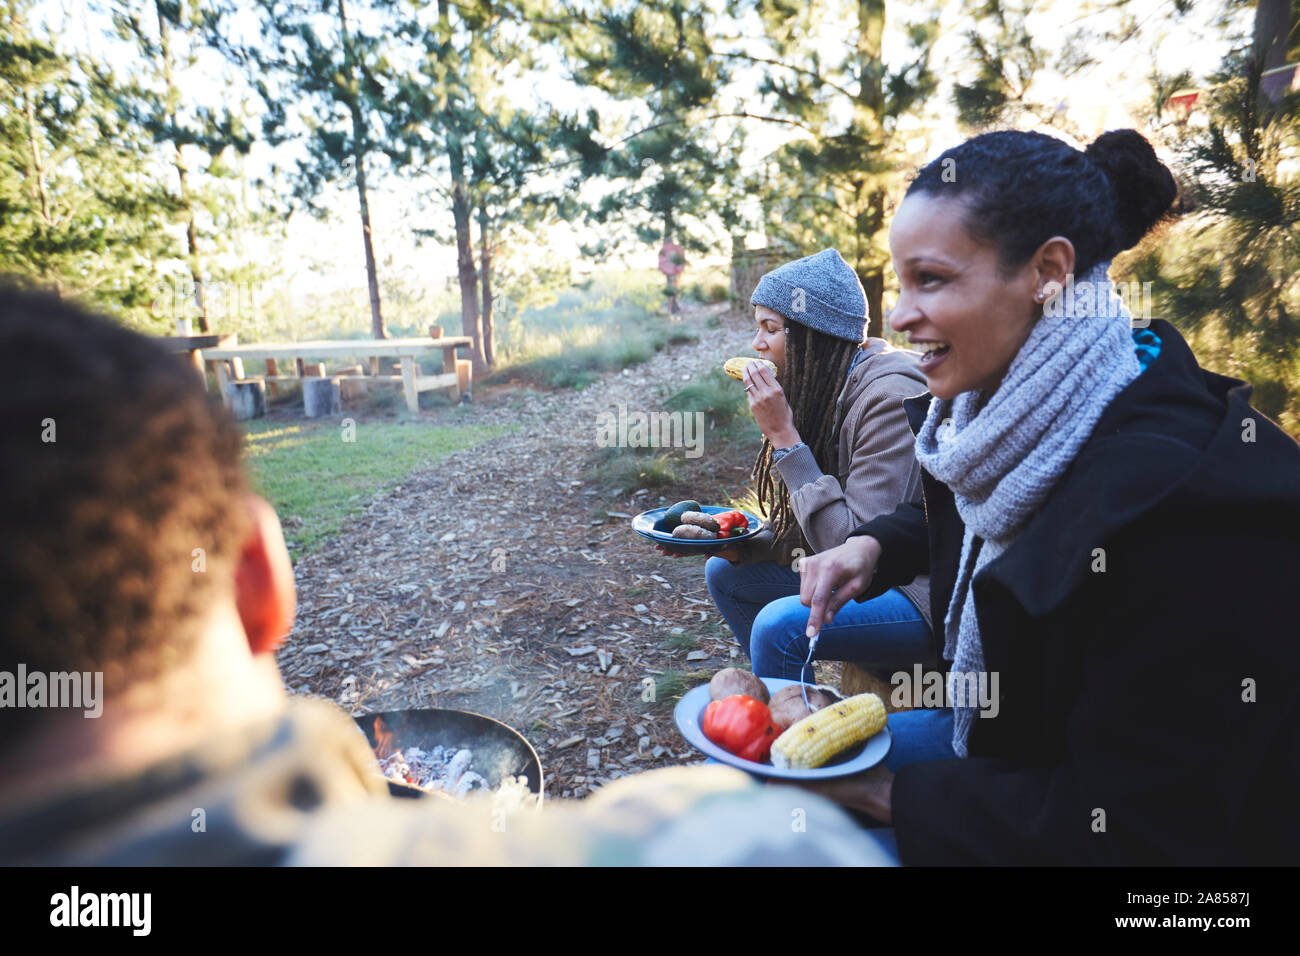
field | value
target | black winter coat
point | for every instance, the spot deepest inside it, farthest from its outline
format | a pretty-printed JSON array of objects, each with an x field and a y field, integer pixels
[{"x": 1150, "y": 711}]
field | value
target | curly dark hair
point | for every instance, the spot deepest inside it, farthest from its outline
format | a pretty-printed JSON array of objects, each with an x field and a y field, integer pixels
[
  {"x": 1021, "y": 188},
  {"x": 816, "y": 365},
  {"x": 117, "y": 466}
]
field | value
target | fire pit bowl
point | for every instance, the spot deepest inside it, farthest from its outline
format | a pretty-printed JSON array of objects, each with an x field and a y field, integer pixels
[{"x": 499, "y": 751}]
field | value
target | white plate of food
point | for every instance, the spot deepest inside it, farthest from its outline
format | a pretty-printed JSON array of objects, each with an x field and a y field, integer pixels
[{"x": 689, "y": 715}]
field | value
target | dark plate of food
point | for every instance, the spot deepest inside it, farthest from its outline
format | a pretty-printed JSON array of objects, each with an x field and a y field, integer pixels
[{"x": 690, "y": 528}]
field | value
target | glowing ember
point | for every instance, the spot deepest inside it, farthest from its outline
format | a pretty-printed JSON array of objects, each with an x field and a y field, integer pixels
[
  {"x": 441, "y": 768},
  {"x": 445, "y": 769}
]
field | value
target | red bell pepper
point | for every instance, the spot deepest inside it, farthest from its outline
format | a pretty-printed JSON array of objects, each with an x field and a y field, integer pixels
[
  {"x": 731, "y": 524},
  {"x": 741, "y": 725}
]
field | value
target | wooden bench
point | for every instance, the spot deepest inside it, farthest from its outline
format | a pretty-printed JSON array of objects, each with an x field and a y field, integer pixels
[
  {"x": 455, "y": 374},
  {"x": 191, "y": 345}
]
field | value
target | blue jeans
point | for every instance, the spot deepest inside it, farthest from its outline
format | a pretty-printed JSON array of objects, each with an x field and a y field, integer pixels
[
  {"x": 760, "y": 602},
  {"x": 920, "y": 735}
]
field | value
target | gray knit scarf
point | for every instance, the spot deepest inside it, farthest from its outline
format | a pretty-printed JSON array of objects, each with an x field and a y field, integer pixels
[{"x": 1002, "y": 460}]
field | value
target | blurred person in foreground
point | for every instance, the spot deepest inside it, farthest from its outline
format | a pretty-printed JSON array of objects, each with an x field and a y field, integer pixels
[{"x": 133, "y": 552}]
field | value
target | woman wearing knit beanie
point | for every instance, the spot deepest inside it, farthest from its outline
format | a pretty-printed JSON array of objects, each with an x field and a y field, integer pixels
[
  {"x": 836, "y": 452},
  {"x": 1112, "y": 535}
]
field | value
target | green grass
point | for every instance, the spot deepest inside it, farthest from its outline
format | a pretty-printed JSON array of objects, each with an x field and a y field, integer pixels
[
  {"x": 671, "y": 685},
  {"x": 628, "y": 469},
  {"x": 610, "y": 322},
  {"x": 579, "y": 365},
  {"x": 720, "y": 397},
  {"x": 709, "y": 286},
  {"x": 681, "y": 642},
  {"x": 316, "y": 480},
  {"x": 725, "y": 409},
  {"x": 747, "y": 500}
]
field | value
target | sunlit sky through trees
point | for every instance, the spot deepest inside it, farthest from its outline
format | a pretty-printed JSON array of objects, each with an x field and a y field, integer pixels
[{"x": 327, "y": 254}]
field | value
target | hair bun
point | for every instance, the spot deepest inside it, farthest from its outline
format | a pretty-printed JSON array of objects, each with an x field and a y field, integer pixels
[{"x": 1144, "y": 186}]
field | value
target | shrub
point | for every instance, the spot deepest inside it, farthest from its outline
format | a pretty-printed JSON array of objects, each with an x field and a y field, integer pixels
[{"x": 721, "y": 398}]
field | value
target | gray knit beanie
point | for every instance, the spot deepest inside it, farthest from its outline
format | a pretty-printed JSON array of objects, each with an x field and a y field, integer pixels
[{"x": 820, "y": 291}]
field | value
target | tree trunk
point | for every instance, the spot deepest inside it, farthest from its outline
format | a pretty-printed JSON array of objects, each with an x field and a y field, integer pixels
[
  {"x": 873, "y": 280},
  {"x": 192, "y": 239},
  {"x": 191, "y": 229},
  {"x": 377, "y": 328},
  {"x": 485, "y": 278},
  {"x": 45, "y": 219},
  {"x": 869, "y": 118},
  {"x": 471, "y": 322},
  {"x": 873, "y": 284}
]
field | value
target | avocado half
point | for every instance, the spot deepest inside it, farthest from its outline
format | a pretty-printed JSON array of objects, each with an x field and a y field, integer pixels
[{"x": 673, "y": 516}]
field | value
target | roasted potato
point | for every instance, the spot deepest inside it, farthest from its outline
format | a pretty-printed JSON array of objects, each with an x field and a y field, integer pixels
[
  {"x": 787, "y": 704},
  {"x": 700, "y": 520},
  {"x": 693, "y": 531},
  {"x": 733, "y": 680}
]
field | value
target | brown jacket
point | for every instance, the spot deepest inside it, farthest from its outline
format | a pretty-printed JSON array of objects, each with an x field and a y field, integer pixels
[
  {"x": 305, "y": 790},
  {"x": 876, "y": 468}
]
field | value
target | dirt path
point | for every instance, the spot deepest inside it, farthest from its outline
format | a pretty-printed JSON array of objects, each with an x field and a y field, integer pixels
[{"x": 498, "y": 582}]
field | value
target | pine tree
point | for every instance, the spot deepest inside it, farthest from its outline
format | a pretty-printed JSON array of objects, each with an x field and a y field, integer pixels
[
  {"x": 1000, "y": 82},
  {"x": 80, "y": 200},
  {"x": 164, "y": 32},
  {"x": 678, "y": 173},
  {"x": 329, "y": 58},
  {"x": 452, "y": 127},
  {"x": 829, "y": 186},
  {"x": 510, "y": 145},
  {"x": 1227, "y": 273},
  {"x": 431, "y": 120}
]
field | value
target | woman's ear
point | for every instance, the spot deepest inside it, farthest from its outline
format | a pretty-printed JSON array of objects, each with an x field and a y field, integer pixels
[
  {"x": 264, "y": 591},
  {"x": 1053, "y": 262}
]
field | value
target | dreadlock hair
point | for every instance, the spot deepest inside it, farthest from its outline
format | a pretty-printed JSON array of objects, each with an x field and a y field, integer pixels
[{"x": 815, "y": 368}]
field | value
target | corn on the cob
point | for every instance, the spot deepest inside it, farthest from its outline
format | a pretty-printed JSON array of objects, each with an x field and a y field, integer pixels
[
  {"x": 735, "y": 367},
  {"x": 821, "y": 735}
]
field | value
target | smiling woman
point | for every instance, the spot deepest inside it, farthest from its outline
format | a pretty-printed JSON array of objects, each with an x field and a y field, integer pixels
[
  {"x": 1035, "y": 211},
  {"x": 1110, "y": 531},
  {"x": 965, "y": 317}
]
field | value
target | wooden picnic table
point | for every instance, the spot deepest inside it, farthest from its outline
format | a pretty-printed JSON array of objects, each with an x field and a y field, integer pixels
[
  {"x": 191, "y": 345},
  {"x": 406, "y": 350}
]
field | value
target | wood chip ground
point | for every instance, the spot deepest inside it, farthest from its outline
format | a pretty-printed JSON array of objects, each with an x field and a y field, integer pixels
[{"x": 504, "y": 581}]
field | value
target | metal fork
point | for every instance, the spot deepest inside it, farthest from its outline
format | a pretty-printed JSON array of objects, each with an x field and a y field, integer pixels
[{"x": 803, "y": 685}]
